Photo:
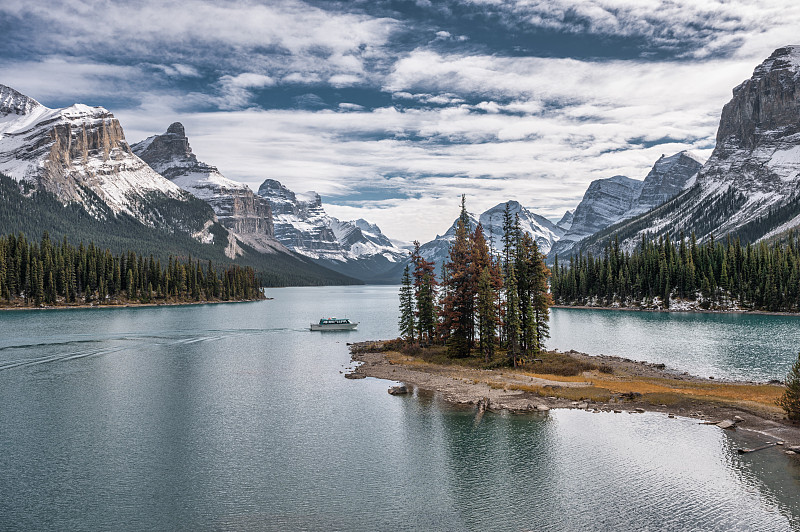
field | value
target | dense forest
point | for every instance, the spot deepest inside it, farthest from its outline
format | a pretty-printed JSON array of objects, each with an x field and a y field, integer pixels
[
  {"x": 715, "y": 274},
  {"x": 484, "y": 305},
  {"x": 40, "y": 211},
  {"x": 58, "y": 273}
]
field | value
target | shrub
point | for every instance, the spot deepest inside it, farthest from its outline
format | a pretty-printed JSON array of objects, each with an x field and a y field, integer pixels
[{"x": 790, "y": 400}]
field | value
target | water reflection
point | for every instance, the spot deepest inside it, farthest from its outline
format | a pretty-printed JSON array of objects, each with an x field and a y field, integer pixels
[{"x": 235, "y": 417}]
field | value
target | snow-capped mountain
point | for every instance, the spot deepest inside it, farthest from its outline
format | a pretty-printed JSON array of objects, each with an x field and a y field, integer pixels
[
  {"x": 80, "y": 155},
  {"x": 356, "y": 248},
  {"x": 750, "y": 186},
  {"x": 565, "y": 222},
  {"x": 247, "y": 215},
  {"x": 605, "y": 202},
  {"x": 609, "y": 201},
  {"x": 545, "y": 232}
]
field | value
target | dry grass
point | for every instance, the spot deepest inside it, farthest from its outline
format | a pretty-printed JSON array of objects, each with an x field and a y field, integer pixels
[{"x": 605, "y": 382}]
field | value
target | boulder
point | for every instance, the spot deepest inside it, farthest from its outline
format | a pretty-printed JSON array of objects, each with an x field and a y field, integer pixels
[
  {"x": 398, "y": 390},
  {"x": 726, "y": 424}
]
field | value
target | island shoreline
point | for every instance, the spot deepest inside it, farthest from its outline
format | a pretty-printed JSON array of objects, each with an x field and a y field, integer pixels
[
  {"x": 684, "y": 311},
  {"x": 511, "y": 391}
]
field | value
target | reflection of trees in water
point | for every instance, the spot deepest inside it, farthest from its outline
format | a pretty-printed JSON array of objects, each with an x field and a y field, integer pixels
[{"x": 499, "y": 469}]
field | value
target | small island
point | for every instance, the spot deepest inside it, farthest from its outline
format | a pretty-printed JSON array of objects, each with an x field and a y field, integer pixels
[{"x": 478, "y": 336}]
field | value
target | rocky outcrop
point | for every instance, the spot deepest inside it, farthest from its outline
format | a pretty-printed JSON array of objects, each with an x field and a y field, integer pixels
[
  {"x": 80, "y": 155},
  {"x": 247, "y": 215},
  {"x": 610, "y": 201},
  {"x": 668, "y": 177},
  {"x": 605, "y": 202},
  {"x": 356, "y": 248},
  {"x": 565, "y": 223}
]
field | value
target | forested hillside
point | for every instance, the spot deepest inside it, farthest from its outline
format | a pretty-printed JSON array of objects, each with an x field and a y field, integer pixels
[
  {"x": 40, "y": 211},
  {"x": 714, "y": 274}
]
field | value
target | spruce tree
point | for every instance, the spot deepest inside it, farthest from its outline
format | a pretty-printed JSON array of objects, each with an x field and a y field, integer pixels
[{"x": 407, "y": 323}]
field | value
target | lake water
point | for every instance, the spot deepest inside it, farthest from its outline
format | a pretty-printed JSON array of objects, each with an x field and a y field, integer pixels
[{"x": 236, "y": 417}]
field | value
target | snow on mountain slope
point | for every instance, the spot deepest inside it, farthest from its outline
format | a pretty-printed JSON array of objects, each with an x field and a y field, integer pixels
[
  {"x": 237, "y": 207},
  {"x": 79, "y": 154},
  {"x": 750, "y": 186},
  {"x": 356, "y": 248},
  {"x": 545, "y": 232}
]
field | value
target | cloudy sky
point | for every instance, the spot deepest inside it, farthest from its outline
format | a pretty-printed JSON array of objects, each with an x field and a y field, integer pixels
[{"x": 391, "y": 109}]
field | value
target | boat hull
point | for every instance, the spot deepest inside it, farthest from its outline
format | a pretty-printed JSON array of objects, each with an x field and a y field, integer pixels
[{"x": 334, "y": 326}]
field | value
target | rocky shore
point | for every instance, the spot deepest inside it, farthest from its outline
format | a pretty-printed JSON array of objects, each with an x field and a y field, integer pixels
[{"x": 624, "y": 387}]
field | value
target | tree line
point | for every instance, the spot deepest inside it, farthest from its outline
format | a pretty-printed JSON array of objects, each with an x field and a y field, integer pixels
[
  {"x": 58, "y": 273},
  {"x": 758, "y": 276},
  {"x": 495, "y": 303}
]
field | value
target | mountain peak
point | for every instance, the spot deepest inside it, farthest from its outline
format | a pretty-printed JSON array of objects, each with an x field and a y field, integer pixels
[
  {"x": 14, "y": 102},
  {"x": 784, "y": 58},
  {"x": 764, "y": 106},
  {"x": 176, "y": 128}
]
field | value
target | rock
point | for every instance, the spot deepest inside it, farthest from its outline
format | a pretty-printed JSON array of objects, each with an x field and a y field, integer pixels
[
  {"x": 398, "y": 390},
  {"x": 671, "y": 415},
  {"x": 483, "y": 405},
  {"x": 583, "y": 406},
  {"x": 617, "y": 411},
  {"x": 354, "y": 376},
  {"x": 738, "y": 419},
  {"x": 640, "y": 410},
  {"x": 726, "y": 424},
  {"x": 542, "y": 408},
  {"x": 793, "y": 448},
  {"x": 789, "y": 452}
]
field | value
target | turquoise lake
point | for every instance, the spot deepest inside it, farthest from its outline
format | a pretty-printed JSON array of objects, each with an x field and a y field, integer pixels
[{"x": 236, "y": 417}]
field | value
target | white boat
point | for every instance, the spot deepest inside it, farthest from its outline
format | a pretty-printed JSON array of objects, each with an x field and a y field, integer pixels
[{"x": 334, "y": 324}]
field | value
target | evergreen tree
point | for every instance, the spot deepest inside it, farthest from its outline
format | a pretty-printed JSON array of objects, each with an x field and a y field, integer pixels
[
  {"x": 425, "y": 296},
  {"x": 460, "y": 291},
  {"x": 407, "y": 324}
]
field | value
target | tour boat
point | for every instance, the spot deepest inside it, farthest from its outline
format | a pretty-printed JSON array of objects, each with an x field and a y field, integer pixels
[{"x": 334, "y": 324}]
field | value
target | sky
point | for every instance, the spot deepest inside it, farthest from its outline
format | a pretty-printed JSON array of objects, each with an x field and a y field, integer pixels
[{"x": 391, "y": 109}]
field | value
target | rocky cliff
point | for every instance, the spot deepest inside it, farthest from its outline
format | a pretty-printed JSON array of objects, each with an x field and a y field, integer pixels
[
  {"x": 241, "y": 211},
  {"x": 609, "y": 201},
  {"x": 80, "y": 155},
  {"x": 750, "y": 186}
]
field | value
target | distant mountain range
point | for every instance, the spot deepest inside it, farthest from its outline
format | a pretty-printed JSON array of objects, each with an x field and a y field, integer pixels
[{"x": 70, "y": 171}]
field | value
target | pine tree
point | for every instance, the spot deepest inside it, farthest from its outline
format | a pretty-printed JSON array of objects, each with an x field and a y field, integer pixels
[
  {"x": 487, "y": 315},
  {"x": 407, "y": 323},
  {"x": 460, "y": 291},
  {"x": 425, "y": 295}
]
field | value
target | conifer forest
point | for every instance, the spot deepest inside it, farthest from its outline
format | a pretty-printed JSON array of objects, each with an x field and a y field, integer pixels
[
  {"x": 59, "y": 274},
  {"x": 729, "y": 274}
]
